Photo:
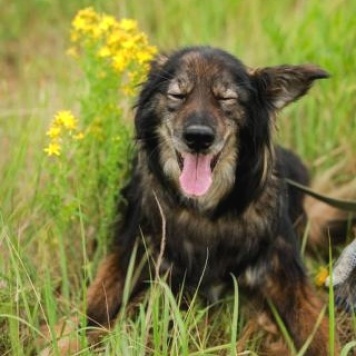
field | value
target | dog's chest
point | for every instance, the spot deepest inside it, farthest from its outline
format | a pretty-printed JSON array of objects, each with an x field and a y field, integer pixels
[{"x": 206, "y": 252}]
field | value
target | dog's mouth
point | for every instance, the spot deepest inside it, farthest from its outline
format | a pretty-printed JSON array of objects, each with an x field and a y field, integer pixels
[{"x": 196, "y": 172}]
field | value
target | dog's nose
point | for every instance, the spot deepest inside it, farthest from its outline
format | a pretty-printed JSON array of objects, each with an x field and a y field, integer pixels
[{"x": 198, "y": 137}]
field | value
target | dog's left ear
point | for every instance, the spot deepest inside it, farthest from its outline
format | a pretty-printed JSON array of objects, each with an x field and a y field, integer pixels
[{"x": 284, "y": 84}]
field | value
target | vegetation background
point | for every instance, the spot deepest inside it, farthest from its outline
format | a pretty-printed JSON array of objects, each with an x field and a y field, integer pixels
[{"x": 44, "y": 263}]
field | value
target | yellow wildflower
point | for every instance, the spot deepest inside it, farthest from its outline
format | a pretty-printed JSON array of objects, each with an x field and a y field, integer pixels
[
  {"x": 104, "y": 52},
  {"x": 128, "y": 90},
  {"x": 54, "y": 132},
  {"x": 106, "y": 23},
  {"x": 85, "y": 19},
  {"x": 115, "y": 38},
  {"x": 95, "y": 32},
  {"x": 85, "y": 26},
  {"x": 128, "y": 45},
  {"x": 144, "y": 56},
  {"x": 66, "y": 119},
  {"x": 128, "y": 25},
  {"x": 80, "y": 24},
  {"x": 53, "y": 149},
  {"x": 321, "y": 276},
  {"x": 120, "y": 62}
]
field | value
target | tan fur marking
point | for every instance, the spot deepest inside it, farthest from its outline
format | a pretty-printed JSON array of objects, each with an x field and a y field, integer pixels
[
  {"x": 105, "y": 292},
  {"x": 302, "y": 318}
]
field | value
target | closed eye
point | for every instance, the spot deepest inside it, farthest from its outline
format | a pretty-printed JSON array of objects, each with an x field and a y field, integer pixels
[
  {"x": 222, "y": 98},
  {"x": 176, "y": 96},
  {"x": 227, "y": 99},
  {"x": 227, "y": 96}
]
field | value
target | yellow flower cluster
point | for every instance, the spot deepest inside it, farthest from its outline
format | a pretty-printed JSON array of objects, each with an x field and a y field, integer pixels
[
  {"x": 64, "y": 123},
  {"x": 114, "y": 54},
  {"x": 118, "y": 43}
]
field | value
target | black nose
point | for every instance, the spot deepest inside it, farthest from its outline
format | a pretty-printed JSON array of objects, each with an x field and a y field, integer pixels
[{"x": 198, "y": 137}]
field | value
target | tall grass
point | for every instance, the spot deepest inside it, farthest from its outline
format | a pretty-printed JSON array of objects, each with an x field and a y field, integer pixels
[{"x": 46, "y": 261}]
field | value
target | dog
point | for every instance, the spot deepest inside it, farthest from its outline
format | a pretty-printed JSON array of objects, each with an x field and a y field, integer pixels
[{"x": 207, "y": 198}]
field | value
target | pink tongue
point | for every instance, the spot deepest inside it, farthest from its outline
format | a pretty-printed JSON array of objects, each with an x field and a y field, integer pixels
[{"x": 195, "y": 178}]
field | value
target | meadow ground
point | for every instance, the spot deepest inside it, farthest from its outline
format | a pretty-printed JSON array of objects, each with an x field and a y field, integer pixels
[{"x": 55, "y": 212}]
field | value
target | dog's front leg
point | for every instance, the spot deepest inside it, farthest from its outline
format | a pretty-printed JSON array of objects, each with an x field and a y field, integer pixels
[
  {"x": 289, "y": 293},
  {"x": 105, "y": 294}
]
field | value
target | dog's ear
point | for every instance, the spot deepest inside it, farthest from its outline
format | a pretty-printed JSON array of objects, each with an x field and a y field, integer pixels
[
  {"x": 284, "y": 84},
  {"x": 158, "y": 62}
]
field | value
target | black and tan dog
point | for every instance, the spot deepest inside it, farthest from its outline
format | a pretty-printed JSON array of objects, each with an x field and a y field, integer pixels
[{"x": 207, "y": 195}]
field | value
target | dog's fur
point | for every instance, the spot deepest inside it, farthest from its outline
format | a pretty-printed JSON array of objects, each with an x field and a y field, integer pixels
[{"x": 207, "y": 197}]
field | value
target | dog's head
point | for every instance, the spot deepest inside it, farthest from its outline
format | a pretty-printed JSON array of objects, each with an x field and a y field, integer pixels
[{"x": 205, "y": 119}]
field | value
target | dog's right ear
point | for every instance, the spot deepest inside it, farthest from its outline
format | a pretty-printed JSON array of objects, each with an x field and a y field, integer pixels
[
  {"x": 158, "y": 62},
  {"x": 284, "y": 84}
]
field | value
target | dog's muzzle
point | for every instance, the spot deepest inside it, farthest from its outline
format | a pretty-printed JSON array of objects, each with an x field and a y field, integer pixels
[{"x": 197, "y": 163}]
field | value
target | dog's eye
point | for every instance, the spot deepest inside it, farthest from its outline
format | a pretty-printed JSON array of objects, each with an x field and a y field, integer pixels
[
  {"x": 176, "y": 96},
  {"x": 223, "y": 98},
  {"x": 226, "y": 99}
]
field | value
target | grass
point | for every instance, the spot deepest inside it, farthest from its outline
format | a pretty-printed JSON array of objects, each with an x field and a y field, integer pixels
[{"x": 49, "y": 224}]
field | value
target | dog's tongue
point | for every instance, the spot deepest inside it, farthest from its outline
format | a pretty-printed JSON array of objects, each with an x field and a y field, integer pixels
[{"x": 195, "y": 178}]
